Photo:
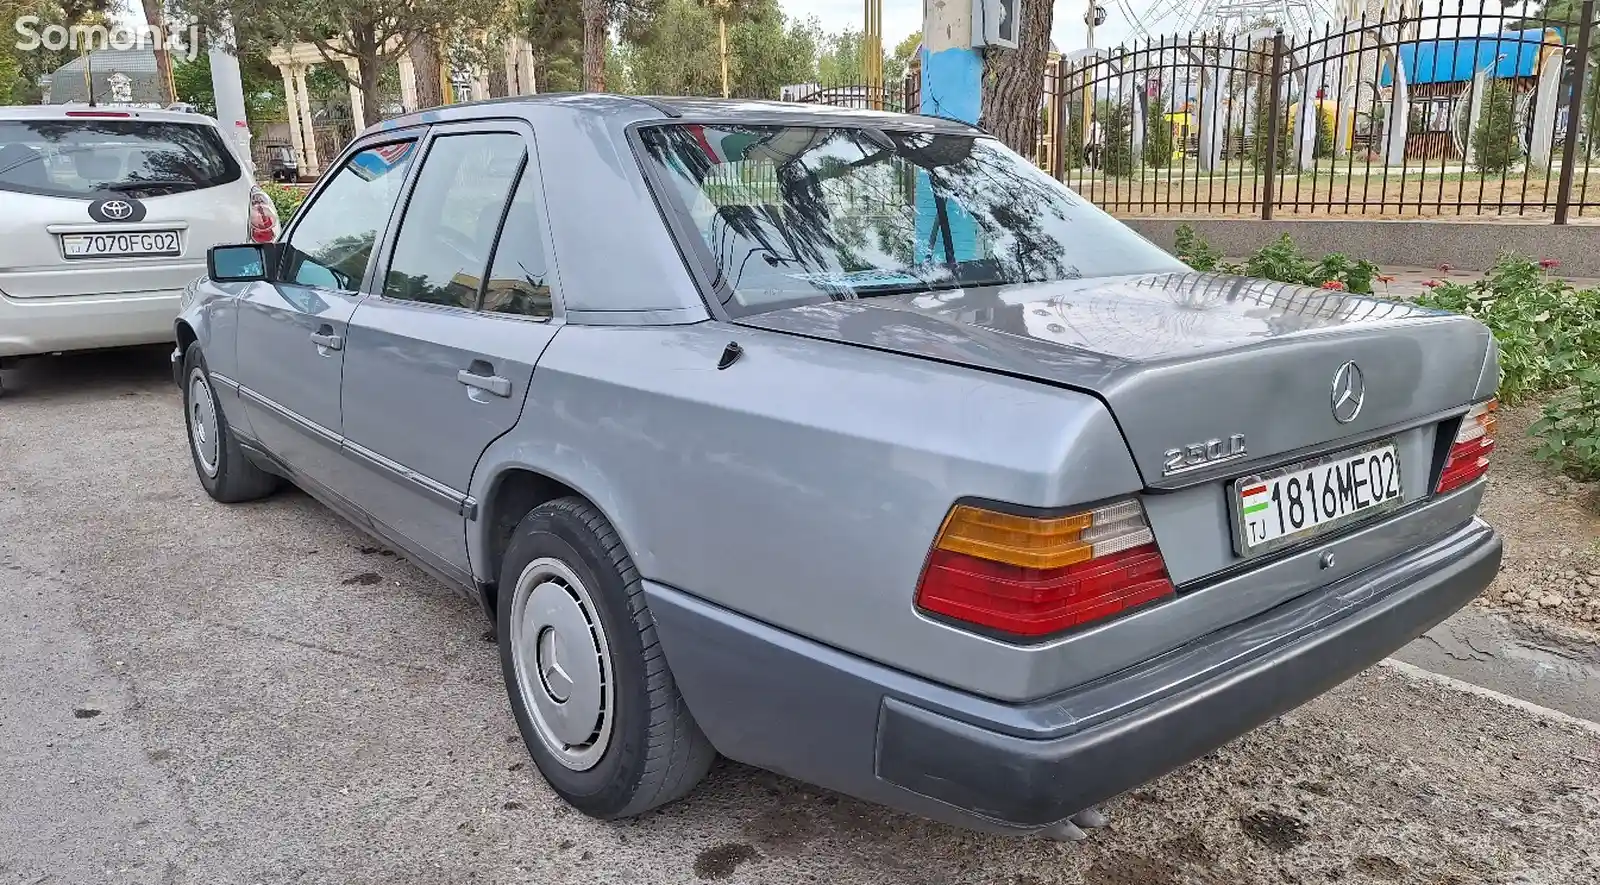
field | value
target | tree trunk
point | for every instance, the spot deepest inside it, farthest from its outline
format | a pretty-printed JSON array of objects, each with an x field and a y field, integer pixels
[
  {"x": 1013, "y": 81},
  {"x": 594, "y": 45},
  {"x": 371, "y": 69},
  {"x": 497, "y": 76},
  {"x": 425, "y": 67},
  {"x": 155, "y": 19}
]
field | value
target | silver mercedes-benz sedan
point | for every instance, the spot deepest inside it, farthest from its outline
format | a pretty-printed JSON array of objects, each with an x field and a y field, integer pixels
[{"x": 845, "y": 444}]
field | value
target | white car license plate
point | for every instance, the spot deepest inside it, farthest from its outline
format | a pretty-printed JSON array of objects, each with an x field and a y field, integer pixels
[
  {"x": 1290, "y": 504},
  {"x": 137, "y": 244}
]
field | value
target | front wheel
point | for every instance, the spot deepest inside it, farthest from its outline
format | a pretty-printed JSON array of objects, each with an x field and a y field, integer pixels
[
  {"x": 588, "y": 682},
  {"x": 224, "y": 471}
]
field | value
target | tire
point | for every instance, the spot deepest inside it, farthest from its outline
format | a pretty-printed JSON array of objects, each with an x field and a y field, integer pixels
[
  {"x": 566, "y": 574},
  {"x": 225, "y": 472}
]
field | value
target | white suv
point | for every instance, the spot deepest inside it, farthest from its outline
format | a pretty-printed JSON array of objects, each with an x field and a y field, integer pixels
[{"x": 105, "y": 215}]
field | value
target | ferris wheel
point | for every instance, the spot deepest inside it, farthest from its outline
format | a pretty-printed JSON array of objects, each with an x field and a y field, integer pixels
[{"x": 1153, "y": 18}]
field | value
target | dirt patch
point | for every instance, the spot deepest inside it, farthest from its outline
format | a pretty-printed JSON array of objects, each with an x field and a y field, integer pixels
[
  {"x": 1379, "y": 867},
  {"x": 1133, "y": 869},
  {"x": 1274, "y": 829},
  {"x": 783, "y": 829},
  {"x": 365, "y": 579},
  {"x": 1551, "y": 567},
  {"x": 721, "y": 861}
]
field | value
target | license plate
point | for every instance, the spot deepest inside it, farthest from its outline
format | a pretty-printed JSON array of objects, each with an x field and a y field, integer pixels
[
  {"x": 139, "y": 244},
  {"x": 1290, "y": 504}
]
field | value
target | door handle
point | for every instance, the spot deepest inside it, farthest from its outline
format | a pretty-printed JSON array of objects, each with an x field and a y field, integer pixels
[
  {"x": 328, "y": 340},
  {"x": 493, "y": 384}
]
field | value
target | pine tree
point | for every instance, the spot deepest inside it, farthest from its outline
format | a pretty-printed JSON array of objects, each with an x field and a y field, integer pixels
[{"x": 1494, "y": 143}]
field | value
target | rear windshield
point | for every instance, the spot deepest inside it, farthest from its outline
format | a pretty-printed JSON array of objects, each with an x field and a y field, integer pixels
[
  {"x": 784, "y": 215},
  {"x": 89, "y": 158}
]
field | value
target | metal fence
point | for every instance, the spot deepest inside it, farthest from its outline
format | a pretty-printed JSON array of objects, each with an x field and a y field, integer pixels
[{"x": 1448, "y": 113}]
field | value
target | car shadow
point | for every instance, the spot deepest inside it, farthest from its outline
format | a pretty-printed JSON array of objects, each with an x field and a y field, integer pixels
[{"x": 88, "y": 374}]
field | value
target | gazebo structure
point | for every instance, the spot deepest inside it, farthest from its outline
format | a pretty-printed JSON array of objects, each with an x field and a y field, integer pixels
[
  {"x": 293, "y": 61},
  {"x": 117, "y": 76}
]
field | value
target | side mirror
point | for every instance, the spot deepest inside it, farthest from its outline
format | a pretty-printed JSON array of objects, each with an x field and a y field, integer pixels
[{"x": 242, "y": 264}]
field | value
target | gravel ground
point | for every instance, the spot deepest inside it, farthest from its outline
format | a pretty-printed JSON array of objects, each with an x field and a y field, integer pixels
[
  {"x": 195, "y": 693},
  {"x": 1551, "y": 526}
]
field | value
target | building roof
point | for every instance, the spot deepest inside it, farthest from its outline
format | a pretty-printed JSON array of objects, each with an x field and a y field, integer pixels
[{"x": 1506, "y": 55}]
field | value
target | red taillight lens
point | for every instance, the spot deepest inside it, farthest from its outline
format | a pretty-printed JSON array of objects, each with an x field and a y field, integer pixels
[
  {"x": 263, "y": 217},
  {"x": 1469, "y": 453},
  {"x": 1032, "y": 576}
]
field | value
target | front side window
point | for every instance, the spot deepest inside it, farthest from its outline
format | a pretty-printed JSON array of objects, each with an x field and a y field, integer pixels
[
  {"x": 333, "y": 239},
  {"x": 788, "y": 215},
  {"x": 450, "y": 223},
  {"x": 91, "y": 157}
]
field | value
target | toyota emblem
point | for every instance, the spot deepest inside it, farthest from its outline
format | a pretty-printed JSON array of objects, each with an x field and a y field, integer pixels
[
  {"x": 116, "y": 209},
  {"x": 1349, "y": 393}
]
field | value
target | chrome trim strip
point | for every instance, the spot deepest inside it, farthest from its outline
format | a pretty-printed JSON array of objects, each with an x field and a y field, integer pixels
[
  {"x": 306, "y": 424},
  {"x": 227, "y": 382},
  {"x": 464, "y": 505}
]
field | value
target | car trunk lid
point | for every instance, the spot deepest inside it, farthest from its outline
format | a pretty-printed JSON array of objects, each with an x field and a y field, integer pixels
[{"x": 1185, "y": 359}]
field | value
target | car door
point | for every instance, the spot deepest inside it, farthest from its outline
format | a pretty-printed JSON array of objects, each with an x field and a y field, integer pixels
[
  {"x": 439, "y": 359},
  {"x": 291, "y": 335}
]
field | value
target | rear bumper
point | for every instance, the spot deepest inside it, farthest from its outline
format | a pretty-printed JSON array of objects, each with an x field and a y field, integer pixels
[
  {"x": 782, "y": 702},
  {"x": 86, "y": 322}
]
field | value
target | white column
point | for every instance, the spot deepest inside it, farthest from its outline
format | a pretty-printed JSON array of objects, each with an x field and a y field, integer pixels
[
  {"x": 1344, "y": 116},
  {"x": 1210, "y": 135},
  {"x": 1480, "y": 81},
  {"x": 1307, "y": 118},
  {"x": 309, "y": 132},
  {"x": 408, "y": 83},
  {"x": 524, "y": 56},
  {"x": 292, "y": 106},
  {"x": 1398, "y": 121},
  {"x": 1542, "y": 143},
  {"x": 358, "y": 115}
]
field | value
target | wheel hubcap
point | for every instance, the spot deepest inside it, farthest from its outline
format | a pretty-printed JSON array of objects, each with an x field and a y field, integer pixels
[
  {"x": 563, "y": 663},
  {"x": 203, "y": 422}
]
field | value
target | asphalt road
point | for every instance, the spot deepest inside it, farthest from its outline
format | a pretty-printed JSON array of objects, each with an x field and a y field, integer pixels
[{"x": 193, "y": 693}]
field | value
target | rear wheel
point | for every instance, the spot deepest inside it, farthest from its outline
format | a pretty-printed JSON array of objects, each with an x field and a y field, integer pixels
[
  {"x": 225, "y": 472},
  {"x": 586, "y": 676}
]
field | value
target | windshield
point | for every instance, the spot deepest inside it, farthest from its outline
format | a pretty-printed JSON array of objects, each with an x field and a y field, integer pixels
[
  {"x": 85, "y": 158},
  {"x": 785, "y": 215}
]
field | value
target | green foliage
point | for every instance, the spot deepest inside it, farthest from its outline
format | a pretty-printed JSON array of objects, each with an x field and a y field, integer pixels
[
  {"x": 263, "y": 85},
  {"x": 1116, "y": 153},
  {"x": 1549, "y": 339},
  {"x": 285, "y": 199},
  {"x": 1494, "y": 143},
  {"x": 1157, "y": 134},
  {"x": 1193, "y": 250},
  {"x": 1262, "y": 131},
  {"x": 840, "y": 58},
  {"x": 1280, "y": 261},
  {"x": 1325, "y": 127}
]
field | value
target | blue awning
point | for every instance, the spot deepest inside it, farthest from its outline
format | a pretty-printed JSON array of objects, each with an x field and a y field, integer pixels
[{"x": 1511, "y": 54}]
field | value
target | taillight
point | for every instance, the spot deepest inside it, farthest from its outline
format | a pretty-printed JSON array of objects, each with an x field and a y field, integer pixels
[
  {"x": 263, "y": 217},
  {"x": 1469, "y": 453},
  {"x": 1031, "y": 576}
]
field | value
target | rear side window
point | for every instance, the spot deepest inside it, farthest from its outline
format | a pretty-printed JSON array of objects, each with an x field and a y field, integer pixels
[
  {"x": 87, "y": 158},
  {"x": 517, "y": 279},
  {"x": 333, "y": 238},
  {"x": 443, "y": 248}
]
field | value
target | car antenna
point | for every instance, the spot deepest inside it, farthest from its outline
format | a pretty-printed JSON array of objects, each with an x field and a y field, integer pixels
[{"x": 730, "y": 355}]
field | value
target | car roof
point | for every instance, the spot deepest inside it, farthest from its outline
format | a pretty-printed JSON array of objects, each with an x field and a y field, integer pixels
[
  {"x": 84, "y": 111},
  {"x": 614, "y": 109}
]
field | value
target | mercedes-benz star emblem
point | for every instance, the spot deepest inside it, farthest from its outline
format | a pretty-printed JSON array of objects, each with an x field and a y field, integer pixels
[
  {"x": 118, "y": 209},
  {"x": 1349, "y": 393}
]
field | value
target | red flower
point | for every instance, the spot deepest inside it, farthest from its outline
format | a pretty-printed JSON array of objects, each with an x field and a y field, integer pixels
[
  {"x": 1431, "y": 283},
  {"x": 1335, "y": 285},
  {"x": 1444, "y": 268},
  {"x": 1549, "y": 263}
]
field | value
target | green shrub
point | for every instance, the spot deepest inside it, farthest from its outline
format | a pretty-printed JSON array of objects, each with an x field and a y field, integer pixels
[
  {"x": 1325, "y": 127},
  {"x": 1494, "y": 143},
  {"x": 1549, "y": 339},
  {"x": 1193, "y": 250},
  {"x": 1157, "y": 134},
  {"x": 1116, "y": 127},
  {"x": 286, "y": 199},
  {"x": 1279, "y": 261}
]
